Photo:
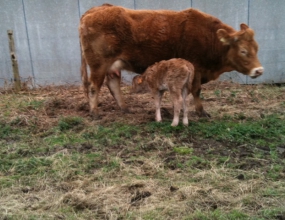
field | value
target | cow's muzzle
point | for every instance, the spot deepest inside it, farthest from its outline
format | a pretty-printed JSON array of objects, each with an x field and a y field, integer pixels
[{"x": 256, "y": 72}]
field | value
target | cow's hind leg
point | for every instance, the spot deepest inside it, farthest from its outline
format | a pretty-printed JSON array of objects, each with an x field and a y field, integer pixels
[
  {"x": 96, "y": 80},
  {"x": 113, "y": 83}
]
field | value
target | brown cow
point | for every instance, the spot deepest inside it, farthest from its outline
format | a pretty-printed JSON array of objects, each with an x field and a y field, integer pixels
[
  {"x": 174, "y": 75},
  {"x": 114, "y": 38}
]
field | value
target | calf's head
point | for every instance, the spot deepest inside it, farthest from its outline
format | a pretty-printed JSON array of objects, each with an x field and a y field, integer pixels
[
  {"x": 242, "y": 54},
  {"x": 138, "y": 84}
]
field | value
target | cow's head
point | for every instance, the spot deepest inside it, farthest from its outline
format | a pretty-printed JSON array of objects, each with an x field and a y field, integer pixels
[{"x": 242, "y": 54}]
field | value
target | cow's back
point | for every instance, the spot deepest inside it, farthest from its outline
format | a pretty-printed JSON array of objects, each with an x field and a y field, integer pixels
[{"x": 139, "y": 37}]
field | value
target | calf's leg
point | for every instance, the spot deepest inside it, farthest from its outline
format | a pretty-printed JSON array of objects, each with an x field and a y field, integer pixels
[
  {"x": 185, "y": 107},
  {"x": 177, "y": 102},
  {"x": 157, "y": 95}
]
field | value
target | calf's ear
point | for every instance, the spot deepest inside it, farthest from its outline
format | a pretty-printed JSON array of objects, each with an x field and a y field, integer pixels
[
  {"x": 224, "y": 36},
  {"x": 139, "y": 80}
]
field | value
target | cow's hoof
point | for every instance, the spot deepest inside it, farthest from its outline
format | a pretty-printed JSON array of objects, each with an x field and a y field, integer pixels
[
  {"x": 94, "y": 116},
  {"x": 203, "y": 114},
  {"x": 126, "y": 110}
]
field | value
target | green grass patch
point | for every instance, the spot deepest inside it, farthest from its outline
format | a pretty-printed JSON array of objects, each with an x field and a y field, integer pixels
[
  {"x": 5, "y": 130},
  {"x": 218, "y": 215},
  {"x": 183, "y": 150},
  {"x": 30, "y": 166},
  {"x": 270, "y": 129},
  {"x": 66, "y": 123},
  {"x": 33, "y": 104}
]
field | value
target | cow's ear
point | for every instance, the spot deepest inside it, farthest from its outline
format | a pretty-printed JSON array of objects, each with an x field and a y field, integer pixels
[
  {"x": 247, "y": 33},
  {"x": 224, "y": 36},
  {"x": 243, "y": 27}
]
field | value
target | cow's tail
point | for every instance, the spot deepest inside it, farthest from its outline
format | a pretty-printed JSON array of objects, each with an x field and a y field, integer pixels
[{"x": 84, "y": 74}]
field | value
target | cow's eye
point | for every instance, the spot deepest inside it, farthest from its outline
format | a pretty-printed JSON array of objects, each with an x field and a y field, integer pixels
[{"x": 243, "y": 52}]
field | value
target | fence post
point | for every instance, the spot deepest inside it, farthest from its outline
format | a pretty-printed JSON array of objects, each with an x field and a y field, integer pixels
[{"x": 17, "y": 80}]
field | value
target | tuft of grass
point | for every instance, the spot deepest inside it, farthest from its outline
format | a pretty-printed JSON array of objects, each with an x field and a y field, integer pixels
[
  {"x": 196, "y": 161},
  {"x": 183, "y": 150},
  {"x": 113, "y": 134},
  {"x": 66, "y": 123},
  {"x": 33, "y": 104},
  {"x": 217, "y": 93},
  {"x": 5, "y": 130}
]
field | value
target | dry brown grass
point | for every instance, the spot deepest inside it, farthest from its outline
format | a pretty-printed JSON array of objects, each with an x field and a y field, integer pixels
[{"x": 123, "y": 195}]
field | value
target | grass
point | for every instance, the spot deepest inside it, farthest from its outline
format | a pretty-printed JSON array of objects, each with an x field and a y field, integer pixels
[
  {"x": 56, "y": 163},
  {"x": 269, "y": 129}
]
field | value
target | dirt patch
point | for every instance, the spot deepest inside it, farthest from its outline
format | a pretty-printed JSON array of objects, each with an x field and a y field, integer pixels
[{"x": 219, "y": 98}]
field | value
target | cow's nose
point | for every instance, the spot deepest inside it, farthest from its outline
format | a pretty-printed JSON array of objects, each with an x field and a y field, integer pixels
[
  {"x": 259, "y": 71},
  {"x": 256, "y": 72}
]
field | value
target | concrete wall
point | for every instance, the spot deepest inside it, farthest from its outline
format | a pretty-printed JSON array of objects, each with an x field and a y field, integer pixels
[{"x": 47, "y": 44}]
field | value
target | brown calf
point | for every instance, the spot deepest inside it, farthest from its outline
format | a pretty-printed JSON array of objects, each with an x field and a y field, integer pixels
[{"x": 174, "y": 75}]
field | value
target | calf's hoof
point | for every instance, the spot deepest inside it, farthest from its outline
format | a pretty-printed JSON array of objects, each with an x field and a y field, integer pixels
[
  {"x": 185, "y": 122},
  {"x": 173, "y": 124}
]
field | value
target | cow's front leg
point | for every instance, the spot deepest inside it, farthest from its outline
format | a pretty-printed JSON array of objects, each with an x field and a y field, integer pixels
[
  {"x": 198, "y": 103},
  {"x": 113, "y": 82}
]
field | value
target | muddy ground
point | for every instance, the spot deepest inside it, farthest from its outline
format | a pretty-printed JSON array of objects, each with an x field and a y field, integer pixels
[{"x": 219, "y": 99}]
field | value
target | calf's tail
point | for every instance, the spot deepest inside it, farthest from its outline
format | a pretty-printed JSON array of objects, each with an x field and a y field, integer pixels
[{"x": 191, "y": 76}]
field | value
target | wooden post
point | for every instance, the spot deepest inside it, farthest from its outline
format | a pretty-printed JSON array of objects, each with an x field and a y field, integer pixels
[{"x": 17, "y": 80}]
